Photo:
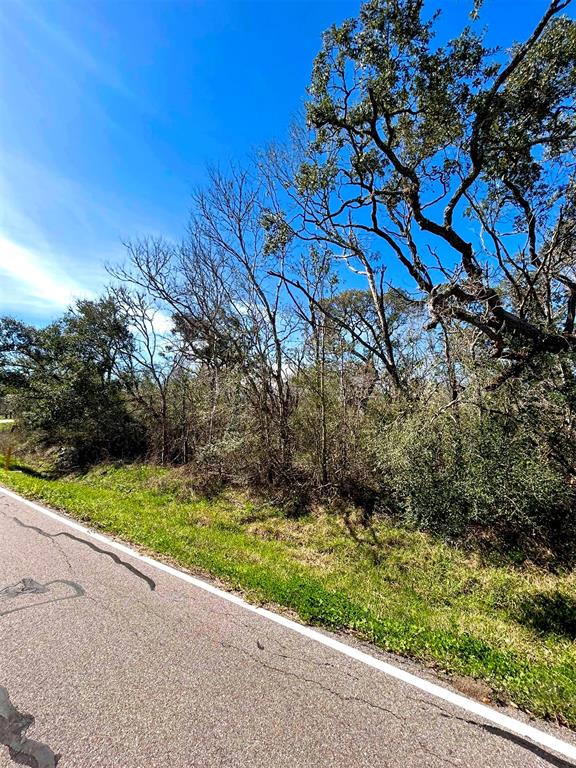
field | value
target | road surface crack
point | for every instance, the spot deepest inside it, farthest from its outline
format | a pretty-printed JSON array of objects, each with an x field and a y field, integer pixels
[
  {"x": 424, "y": 747},
  {"x": 151, "y": 583},
  {"x": 543, "y": 754},
  {"x": 13, "y": 727},
  {"x": 313, "y": 681},
  {"x": 268, "y": 636}
]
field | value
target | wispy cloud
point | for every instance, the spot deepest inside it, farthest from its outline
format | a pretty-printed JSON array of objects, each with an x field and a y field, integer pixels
[
  {"x": 55, "y": 236},
  {"x": 50, "y": 249},
  {"x": 35, "y": 281},
  {"x": 62, "y": 48},
  {"x": 70, "y": 49}
]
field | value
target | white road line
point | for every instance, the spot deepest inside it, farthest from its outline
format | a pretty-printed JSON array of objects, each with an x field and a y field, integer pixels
[{"x": 469, "y": 705}]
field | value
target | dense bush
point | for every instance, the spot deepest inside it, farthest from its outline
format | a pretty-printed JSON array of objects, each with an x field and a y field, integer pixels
[
  {"x": 454, "y": 475},
  {"x": 86, "y": 421}
]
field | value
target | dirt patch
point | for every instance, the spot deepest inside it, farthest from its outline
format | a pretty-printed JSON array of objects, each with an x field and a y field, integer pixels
[{"x": 475, "y": 689}]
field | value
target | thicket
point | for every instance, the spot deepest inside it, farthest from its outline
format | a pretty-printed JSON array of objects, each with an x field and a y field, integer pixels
[{"x": 381, "y": 313}]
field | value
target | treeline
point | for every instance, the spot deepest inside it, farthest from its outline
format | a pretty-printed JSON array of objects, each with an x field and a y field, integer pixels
[{"x": 381, "y": 313}]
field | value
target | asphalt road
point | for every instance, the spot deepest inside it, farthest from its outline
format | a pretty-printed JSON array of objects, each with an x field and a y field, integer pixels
[{"x": 106, "y": 661}]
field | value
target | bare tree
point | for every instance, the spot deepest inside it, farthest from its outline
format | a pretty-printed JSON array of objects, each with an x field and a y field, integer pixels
[{"x": 148, "y": 364}]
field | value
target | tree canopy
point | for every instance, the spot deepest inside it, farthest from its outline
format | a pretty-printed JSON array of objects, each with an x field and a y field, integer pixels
[{"x": 452, "y": 159}]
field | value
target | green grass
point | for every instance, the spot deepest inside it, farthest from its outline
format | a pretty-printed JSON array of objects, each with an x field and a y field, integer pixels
[
  {"x": 402, "y": 590},
  {"x": 6, "y": 425}
]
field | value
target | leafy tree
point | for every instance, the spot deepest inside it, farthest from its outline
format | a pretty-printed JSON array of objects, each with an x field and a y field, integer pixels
[
  {"x": 64, "y": 378},
  {"x": 453, "y": 160}
]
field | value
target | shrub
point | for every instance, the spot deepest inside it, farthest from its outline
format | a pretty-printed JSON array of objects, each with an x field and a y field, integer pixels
[{"x": 450, "y": 474}]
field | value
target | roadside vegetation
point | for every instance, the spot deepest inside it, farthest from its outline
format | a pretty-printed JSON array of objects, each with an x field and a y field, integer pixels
[
  {"x": 370, "y": 329},
  {"x": 408, "y": 592}
]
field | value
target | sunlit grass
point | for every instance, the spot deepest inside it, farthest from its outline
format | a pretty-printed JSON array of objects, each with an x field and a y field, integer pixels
[{"x": 400, "y": 589}]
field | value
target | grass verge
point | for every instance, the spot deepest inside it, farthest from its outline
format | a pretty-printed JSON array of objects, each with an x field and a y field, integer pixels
[{"x": 512, "y": 628}]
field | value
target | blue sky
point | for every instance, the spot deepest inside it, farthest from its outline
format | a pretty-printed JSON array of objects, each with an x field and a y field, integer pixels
[{"x": 110, "y": 111}]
